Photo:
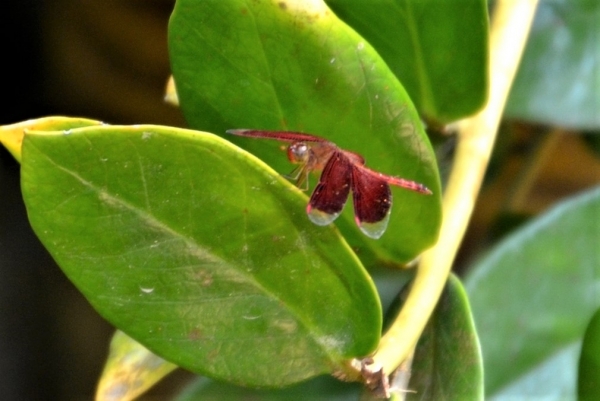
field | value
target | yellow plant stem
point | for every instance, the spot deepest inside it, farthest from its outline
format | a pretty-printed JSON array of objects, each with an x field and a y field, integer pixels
[{"x": 510, "y": 26}]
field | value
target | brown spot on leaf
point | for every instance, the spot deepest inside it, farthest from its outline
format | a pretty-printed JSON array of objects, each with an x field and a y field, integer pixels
[
  {"x": 195, "y": 334},
  {"x": 204, "y": 277}
]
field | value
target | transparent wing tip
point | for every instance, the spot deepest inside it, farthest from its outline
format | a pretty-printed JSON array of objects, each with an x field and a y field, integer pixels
[
  {"x": 373, "y": 230},
  {"x": 319, "y": 217}
]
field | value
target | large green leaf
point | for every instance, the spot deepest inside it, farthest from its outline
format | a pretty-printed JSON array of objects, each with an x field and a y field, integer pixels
[
  {"x": 199, "y": 251},
  {"x": 558, "y": 82},
  {"x": 294, "y": 65},
  {"x": 438, "y": 49},
  {"x": 555, "y": 378},
  {"x": 533, "y": 295},
  {"x": 447, "y": 362}
]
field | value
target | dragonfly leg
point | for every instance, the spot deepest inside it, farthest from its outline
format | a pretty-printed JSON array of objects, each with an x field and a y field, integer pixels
[{"x": 300, "y": 176}]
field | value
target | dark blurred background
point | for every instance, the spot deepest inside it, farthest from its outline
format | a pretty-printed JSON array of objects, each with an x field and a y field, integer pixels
[{"x": 108, "y": 60}]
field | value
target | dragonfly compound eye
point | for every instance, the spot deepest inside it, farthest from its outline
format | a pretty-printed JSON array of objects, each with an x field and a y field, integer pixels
[{"x": 298, "y": 152}]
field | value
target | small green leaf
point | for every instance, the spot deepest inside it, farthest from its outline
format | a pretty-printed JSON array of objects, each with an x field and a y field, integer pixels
[
  {"x": 199, "y": 251},
  {"x": 558, "y": 82},
  {"x": 438, "y": 49},
  {"x": 294, "y": 65},
  {"x": 447, "y": 362},
  {"x": 589, "y": 362},
  {"x": 130, "y": 370},
  {"x": 534, "y": 293}
]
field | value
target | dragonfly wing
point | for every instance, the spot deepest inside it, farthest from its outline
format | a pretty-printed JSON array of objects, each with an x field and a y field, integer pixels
[
  {"x": 372, "y": 202},
  {"x": 331, "y": 193}
]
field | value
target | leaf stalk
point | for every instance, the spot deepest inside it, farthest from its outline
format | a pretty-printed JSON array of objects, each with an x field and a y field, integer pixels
[{"x": 510, "y": 26}]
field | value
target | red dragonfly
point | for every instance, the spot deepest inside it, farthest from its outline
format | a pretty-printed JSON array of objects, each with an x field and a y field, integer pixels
[{"x": 342, "y": 170}]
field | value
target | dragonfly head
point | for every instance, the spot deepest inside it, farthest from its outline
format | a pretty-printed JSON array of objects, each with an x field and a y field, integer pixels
[{"x": 299, "y": 153}]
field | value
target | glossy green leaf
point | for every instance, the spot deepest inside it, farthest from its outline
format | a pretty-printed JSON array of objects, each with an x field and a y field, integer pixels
[
  {"x": 589, "y": 361},
  {"x": 131, "y": 369},
  {"x": 558, "y": 82},
  {"x": 438, "y": 49},
  {"x": 447, "y": 362},
  {"x": 534, "y": 293},
  {"x": 320, "y": 388},
  {"x": 199, "y": 251},
  {"x": 294, "y": 65}
]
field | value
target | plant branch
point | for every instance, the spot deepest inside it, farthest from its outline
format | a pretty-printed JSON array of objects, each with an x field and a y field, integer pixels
[{"x": 510, "y": 26}]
